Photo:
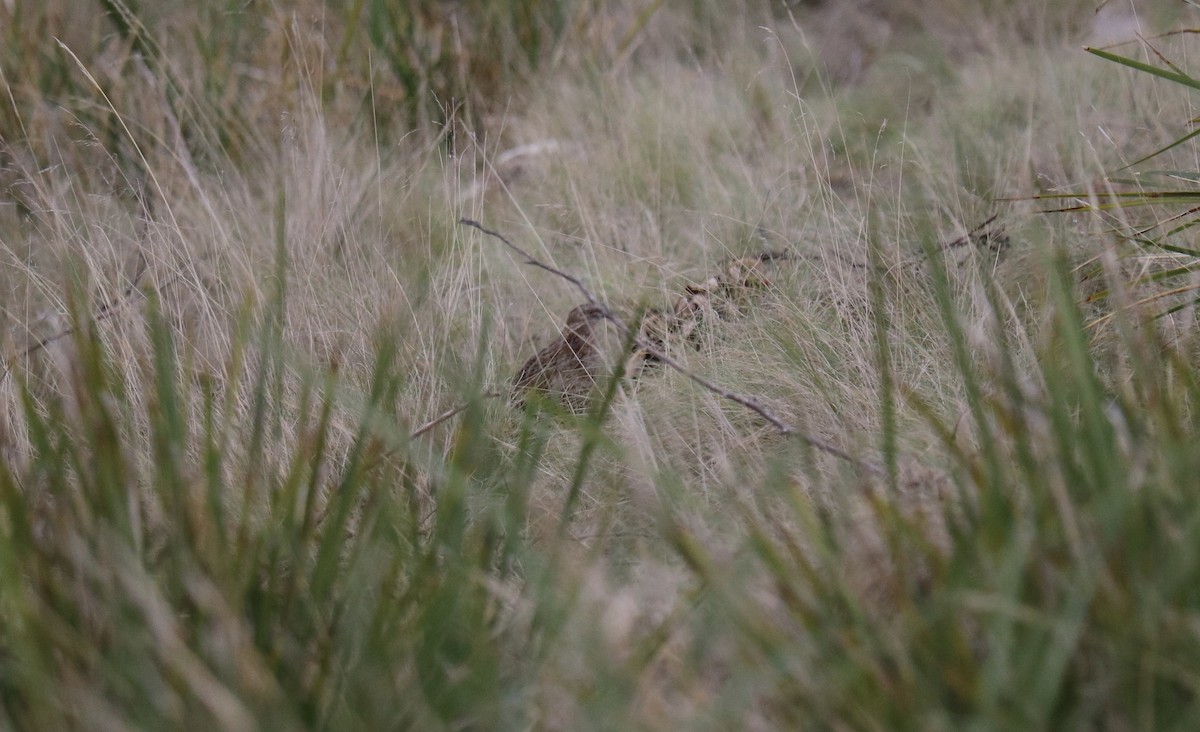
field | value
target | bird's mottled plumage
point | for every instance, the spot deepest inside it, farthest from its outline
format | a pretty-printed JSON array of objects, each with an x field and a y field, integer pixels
[{"x": 568, "y": 368}]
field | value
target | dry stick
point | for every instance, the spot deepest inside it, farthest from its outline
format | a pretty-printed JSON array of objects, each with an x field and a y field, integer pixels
[
  {"x": 748, "y": 402},
  {"x": 104, "y": 312},
  {"x": 443, "y": 417},
  {"x": 974, "y": 235},
  {"x": 530, "y": 260},
  {"x": 448, "y": 414},
  {"x": 981, "y": 235},
  {"x": 108, "y": 309}
]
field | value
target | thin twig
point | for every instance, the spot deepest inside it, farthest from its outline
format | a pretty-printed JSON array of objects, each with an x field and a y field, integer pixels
[
  {"x": 104, "y": 312},
  {"x": 533, "y": 261},
  {"x": 108, "y": 309},
  {"x": 449, "y": 414},
  {"x": 980, "y": 235},
  {"x": 441, "y": 418},
  {"x": 748, "y": 402}
]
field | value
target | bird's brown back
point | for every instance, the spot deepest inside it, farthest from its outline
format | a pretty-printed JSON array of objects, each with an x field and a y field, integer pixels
[{"x": 567, "y": 368}]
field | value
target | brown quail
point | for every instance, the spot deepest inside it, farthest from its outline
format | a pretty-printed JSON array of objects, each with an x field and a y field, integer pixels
[{"x": 568, "y": 368}]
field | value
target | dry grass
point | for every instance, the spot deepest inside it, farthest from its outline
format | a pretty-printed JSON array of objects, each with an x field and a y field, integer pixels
[{"x": 638, "y": 153}]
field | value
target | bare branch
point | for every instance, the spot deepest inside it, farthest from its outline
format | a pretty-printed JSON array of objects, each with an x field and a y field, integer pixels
[
  {"x": 748, "y": 402},
  {"x": 533, "y": 261},
  {"x": 445, "y": 416},
  {"x": 104, "y": 312},
  {"x": 450, "y": 414}
]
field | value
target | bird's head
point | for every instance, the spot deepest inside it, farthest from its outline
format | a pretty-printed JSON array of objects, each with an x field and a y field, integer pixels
[{"x": 585, "y": 314}]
